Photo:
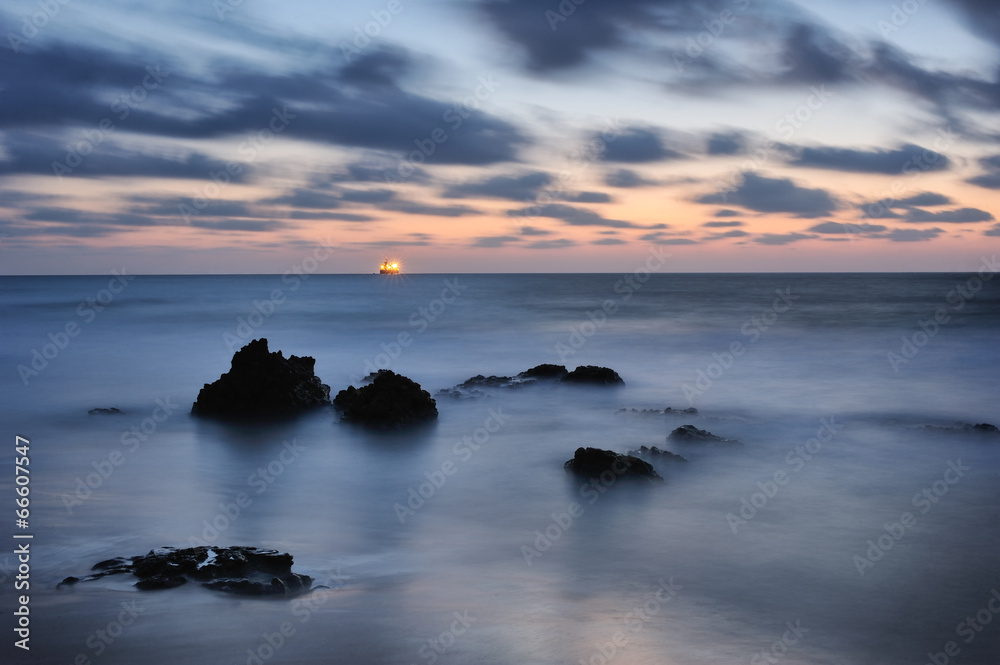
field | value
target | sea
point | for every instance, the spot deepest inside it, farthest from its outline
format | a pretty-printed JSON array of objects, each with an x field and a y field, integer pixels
[{"x": 858, "y": 522}]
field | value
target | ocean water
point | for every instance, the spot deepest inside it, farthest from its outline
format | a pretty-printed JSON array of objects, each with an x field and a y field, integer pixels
[{"x": 465, "y": 541}]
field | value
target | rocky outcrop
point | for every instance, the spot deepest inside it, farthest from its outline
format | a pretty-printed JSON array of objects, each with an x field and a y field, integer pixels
[
  {"x": 691, "y": 434},
  {"x": 657, "y": 454},
  {"x": 544, "y": 371},
  {"x": 390, "y": 401},
  {"x": 263, "y": 384},
  {"x": 241, "y": 570},
  {"x": 595, "y": 463},
  {"x": 100, "y": 411},
  {"x": 594, "y": 375}
]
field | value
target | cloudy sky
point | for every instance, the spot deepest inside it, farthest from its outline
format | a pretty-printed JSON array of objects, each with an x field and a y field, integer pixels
[{"x": 498, "y": 135}]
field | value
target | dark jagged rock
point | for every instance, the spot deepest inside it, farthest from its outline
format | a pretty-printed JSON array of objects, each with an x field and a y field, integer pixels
[
  {"x": 986, "y": 428},
  {"x": 657, "y": 454},
  {"x": 544, "y": 371},
  {"x": 480, "y": 381},
  {"x": 594, "y": 375},
  {"x": 100, "y": 411},
  {"x": 597, "y": 463},
  {"x": 981, "y": 428},
  {"x": 390, "y": 401},
  {"x": 656, "y": 412},
  {"x": 690, "y": 411},
  {"x": 263, "y": 384},
  {"x": 691, "y": 434},
  {"x": 242, "y": 570}
]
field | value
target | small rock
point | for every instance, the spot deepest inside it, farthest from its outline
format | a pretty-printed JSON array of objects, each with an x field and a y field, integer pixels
[
  {"x": 390, "y": 401},
  {"x": 113, "y": 411},
  {"x": 658, "y": 454},
  {"x": 594, "y": 462},
  {"x": 691, "y": 434},
  {"x": 544, "y": 371}
]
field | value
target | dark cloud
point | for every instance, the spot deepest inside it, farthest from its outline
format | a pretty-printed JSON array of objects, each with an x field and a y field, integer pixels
[
  {"x": 890, "y": 162},
  {"x": 726, "y": 212},
  {"x": 959, "y": 216},
  {"x": 558, "y": 243},
  {"x": 367, "y": 195},
  {"x": 381, "y": 66},
  {"x": 982, "y": 17},
  {"x": 253, "y": 225},
  {"x": 736, "y": 233},
  {"x": 382, "y": 170},
  {"x": 524, "y": 187},
  {"x": 989, "y": 180},
  {"x": 995, "y": 231},
  {"x": 608, "y": 241},
  {"x": 812, "y": 56},
  {"x": 721, "y": 225},
  {"x": 413, "y": 208},
  {"x": 334, "y": 216},
  {"x": 588, "y": 197},
  {"x": 725, "y": 144},
  {"x": 532, "y": 231},
  {"x": 625, "y": 178},
  {"x": 834, "y": 228},
  {"x": 661, "y": 238},
  {"x": 924, "y": 199},
  {"x": 572, "y": 216},
  {"x": 781, "y": 238},
  {"x": 763, "y": 194},
  {"x": 637, "y": 145},
  {"x": 306, "y": 198},
  {"x": 494, "y": 241},
  {"x": 913, "y": 235}
]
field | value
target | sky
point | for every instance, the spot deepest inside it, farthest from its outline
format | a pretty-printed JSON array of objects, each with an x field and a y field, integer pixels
[{"x": 243, "y": 136}]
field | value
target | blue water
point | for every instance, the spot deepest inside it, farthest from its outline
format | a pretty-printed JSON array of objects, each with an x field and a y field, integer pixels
[{"x": 766, "y": 359}]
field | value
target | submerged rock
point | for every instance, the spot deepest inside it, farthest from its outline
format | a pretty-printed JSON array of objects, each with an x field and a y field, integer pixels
[
  {"x": 100, "y": 411},
  {"x": 657, "y": 454},
  {"x": 981, "y": 428},
  {"x": 263, "y": 384},
  {"x": 242, "y": 570},
  {"x": 594, "y": 375},
  {"x": 595, "y": 463},
  {"x": 389, "y": 401},
  {"x": 691, "y": 434}
]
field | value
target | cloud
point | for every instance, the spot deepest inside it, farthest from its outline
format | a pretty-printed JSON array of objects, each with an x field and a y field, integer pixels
[
  {"x": 572, "y": 216},
  {"x": 660, "y": 238},
  {"x": 834, "y": 228},
  {"x": 532, "y": 231},
  {"x": 253, "y": 225},
  {"x": 989, "y": 180},
  {"x": 781, "y": 238},
  {"x": 889, "y": 162},
  {"x": 588, "y": 197},
  {"x": 721, "y": 225},
  {"x": 994, "y": 231},
  {"x": 412, "y": 208},
  {"x": 333, "y": 216},
  {"x": 763, "y": 194},
  {"x": 306, "y": 198},
  {"x": 726, "y": 212},
  {"x": 494, "y": 241},
  {"x": 924, "y": 199},
  {"x": 636, "y": 145},
  {"x": 367, "y": 195},
  {"x": 736, "y": 233},
  {"x": 730, "y": 143},
  {"x": 913, "y": 235},
  {"x": 959, "y": 216},
  {"x": 626, "y": 178},
  {"x": 558, "y": 243},
  {"x": 608, "y": 241},
  {"x": 524, "y": 187}
]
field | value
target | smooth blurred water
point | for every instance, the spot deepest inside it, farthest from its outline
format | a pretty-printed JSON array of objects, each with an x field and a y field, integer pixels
[{"x": 821, "y": 353}]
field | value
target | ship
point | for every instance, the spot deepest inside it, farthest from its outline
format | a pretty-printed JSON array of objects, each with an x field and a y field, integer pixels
[{"x": 388, "y": 267}]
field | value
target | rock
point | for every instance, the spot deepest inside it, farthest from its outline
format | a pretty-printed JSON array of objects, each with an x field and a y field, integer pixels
[
  {"x": 69, "y": 581},
  {"x": 981, "y": 428},
  {"x": 594, "y": 375},
  {"x": 544, "y": 371},
  {"x": 594, "y": 463},
  {"x": 263, "y": 384},
  {"x": 390, "y": 401},
  {"x": 690, "y": 411},
  {"x": 986, "y": 428},
  {"x": 656, "y": 453},
  {"x": 113, "y": 411},
  {"x": 240, "y": 570},
  {"x": 691, "y": 434}
]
